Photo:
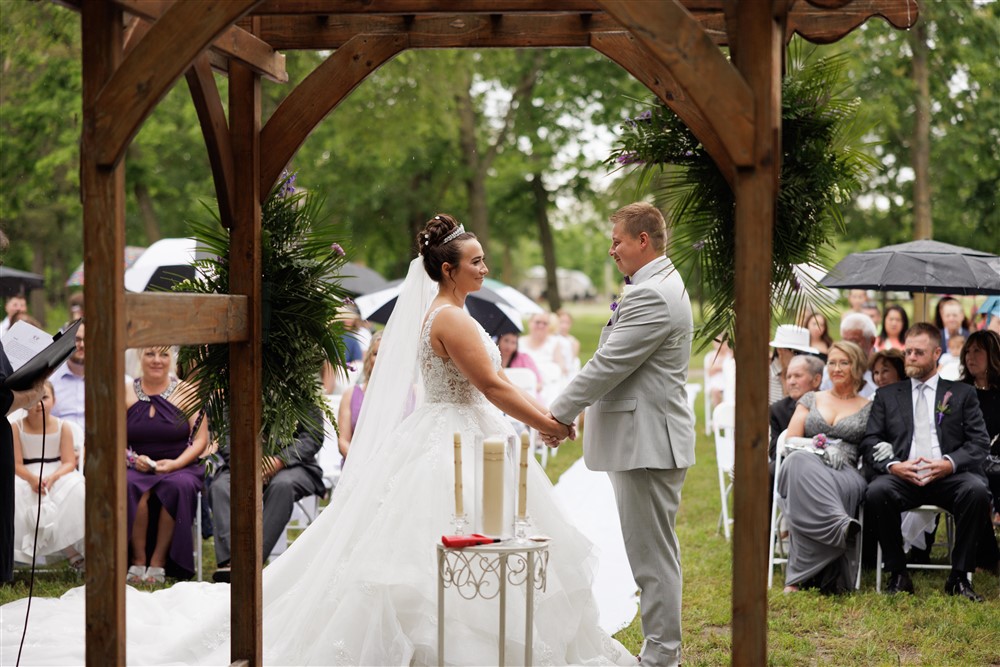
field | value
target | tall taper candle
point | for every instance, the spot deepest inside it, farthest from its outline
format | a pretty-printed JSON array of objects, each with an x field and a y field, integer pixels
[
  {"x": 459, "y": 507},
  {"x": 522, "y": 487},
  {"x": 493, "y": 451}
]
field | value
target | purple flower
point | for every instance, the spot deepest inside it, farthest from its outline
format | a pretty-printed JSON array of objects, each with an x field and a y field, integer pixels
[
  {"x": 348, "y": 300},
  {"x": 288, "y": 187},
  {"x": 943, "y": 408},
  {"x": 614, "y": 306},
  {"x": 130, "y": 457},
  {"x": 337, "y": 250},
  {"x": 629, "y": 158},
  {"x": 819, "y": 441},
  {"x": 646, "y": 115},
  {"x": 698, "y": 245}
]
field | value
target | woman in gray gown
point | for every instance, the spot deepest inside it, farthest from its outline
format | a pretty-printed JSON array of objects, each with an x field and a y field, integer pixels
[{"x": 820, "y": 485}]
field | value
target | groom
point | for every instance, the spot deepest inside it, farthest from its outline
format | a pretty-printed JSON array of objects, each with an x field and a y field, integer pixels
[{"x": 638, "y": 425}]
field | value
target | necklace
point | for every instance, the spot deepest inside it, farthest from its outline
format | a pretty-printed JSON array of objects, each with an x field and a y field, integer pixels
[
  {"x": 980, "y": 387},
  {"x": 843, "y": 398}
]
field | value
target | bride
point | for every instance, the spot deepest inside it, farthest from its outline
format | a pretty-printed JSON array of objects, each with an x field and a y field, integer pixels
[{"x": 359, "y": 587}]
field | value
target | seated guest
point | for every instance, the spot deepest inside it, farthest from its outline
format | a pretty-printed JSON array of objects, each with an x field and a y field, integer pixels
[
  {"x": 789, "y": 340},
  {"x": 858, "y": 329},
  {"x": 52, "y": 473},
  {"x": 871, "y": 310},
  {"x": 804, "y": 374},
  {"x": 292, "y": 474},
  {"x": 887, "y": 367},
  {"x": 163, "y": 483},
  {"x": 510, "y": 357},
  {"x": 819, "y": 333},
  {"x": 571, "y": 345},
  {"x": 948, "y": 367},
  {"x": 950, "y": 319},
  {"x": 716, "y": 368},
  {"x": 927, "y": 441},
  {"x": 820, "y": 484},
  {"x": 980, "y": 359},
  {"x": 350, "y": 402},
  {"x": 895, "y": 322}
]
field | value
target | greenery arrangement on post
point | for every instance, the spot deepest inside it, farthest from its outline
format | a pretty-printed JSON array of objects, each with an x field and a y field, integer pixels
[
  {"x": 301, "y": 258},
  {"x": 823, "y": 163}
]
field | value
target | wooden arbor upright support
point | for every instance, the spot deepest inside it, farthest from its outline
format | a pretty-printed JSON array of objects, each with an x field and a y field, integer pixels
[{"x": 671, "y": 46}]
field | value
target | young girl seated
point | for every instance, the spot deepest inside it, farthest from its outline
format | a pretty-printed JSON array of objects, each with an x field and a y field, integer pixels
[{"x": 52, "y": 474}]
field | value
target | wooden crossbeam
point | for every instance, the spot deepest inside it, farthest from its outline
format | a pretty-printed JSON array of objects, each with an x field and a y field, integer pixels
[
  {"x": 156, "y": 62},
  {"x": 235, "y": 42},
  {"x": 437, "y": 32},
  {"x": 185, "y": 319},
  {"x": 822, "y": 26},
  {"x": 403, "y": 7},
  {"x": 215, "y": 129}
]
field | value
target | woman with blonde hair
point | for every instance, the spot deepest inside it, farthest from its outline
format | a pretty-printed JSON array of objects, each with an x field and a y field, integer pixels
[{"x": 819, "y": 483}]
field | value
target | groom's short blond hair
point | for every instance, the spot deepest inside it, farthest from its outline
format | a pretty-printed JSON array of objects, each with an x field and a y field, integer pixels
[{"x": 642, "y": 217}]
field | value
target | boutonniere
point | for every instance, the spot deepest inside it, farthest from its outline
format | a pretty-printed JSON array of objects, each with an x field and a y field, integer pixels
[
  {"x": 943, "y": 408},
  {"x": 618, "y": 299}
]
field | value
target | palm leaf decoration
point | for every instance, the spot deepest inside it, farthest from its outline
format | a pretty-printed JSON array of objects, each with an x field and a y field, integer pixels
[
  {"x": 823, "y": 163},
  {"x": 301, "y": 299}
]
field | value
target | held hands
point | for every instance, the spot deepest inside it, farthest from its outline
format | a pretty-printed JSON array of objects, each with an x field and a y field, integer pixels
[
  {"x": 882, "y": 451},
  {"x": 558, "y": 432}
]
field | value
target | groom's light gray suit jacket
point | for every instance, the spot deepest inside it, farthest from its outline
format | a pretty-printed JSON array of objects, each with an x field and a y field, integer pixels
[{"x": 633, "y": 387}]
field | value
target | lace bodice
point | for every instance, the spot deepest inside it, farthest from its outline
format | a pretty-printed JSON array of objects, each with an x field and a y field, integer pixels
[
  {"x": 443, "y": 382},
  {"x": 849, "y": 429}
]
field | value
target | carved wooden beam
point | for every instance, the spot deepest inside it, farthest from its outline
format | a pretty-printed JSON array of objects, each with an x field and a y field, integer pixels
[
  {"x": 402, "y": 7},
  {"x": 318, "y": 95},
  {"x": 235, "y": 42},
  {"x": 215, "y": 129},
  {"x": 184, "y": 319},
  {"x": 714, "y": 87},
  {"x": 825, "y": 26},
  {"x": 437, "y": 31},
  {"x": 152, "y": 68},
  {"x": 624, "y": 49}
]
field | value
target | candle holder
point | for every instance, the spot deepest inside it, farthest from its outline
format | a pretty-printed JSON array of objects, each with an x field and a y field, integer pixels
[
  {"x": 459, "y": 523},
  {"x": 521, "y": 526}
]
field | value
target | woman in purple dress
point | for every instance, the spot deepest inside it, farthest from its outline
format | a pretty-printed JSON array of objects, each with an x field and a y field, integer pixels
[{"x": 165, "y": 474}]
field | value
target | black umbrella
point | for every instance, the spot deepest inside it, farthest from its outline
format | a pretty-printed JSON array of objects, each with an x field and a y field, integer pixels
[
  {"x": 358, "y": 279},
  {"x": 919, "y": 266},
  {"x": 488, "y": 308},
  {"x": 14, "y": 282}
]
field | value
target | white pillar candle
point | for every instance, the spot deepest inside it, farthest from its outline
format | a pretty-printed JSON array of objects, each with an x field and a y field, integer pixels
[
  {"x": 522, "y": 487},
  {"x": 493, "y": 451},
  {"x": 459, "y": 506}
]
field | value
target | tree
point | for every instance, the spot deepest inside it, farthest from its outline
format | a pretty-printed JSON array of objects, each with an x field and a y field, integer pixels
[{"x": 962, "y": 154}]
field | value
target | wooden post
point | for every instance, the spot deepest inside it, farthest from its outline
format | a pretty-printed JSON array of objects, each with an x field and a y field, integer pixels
[
  {"x": 103, "y": 190},
  {"x": 246, "y": 362},
  {"x": 758, "y": 57}
]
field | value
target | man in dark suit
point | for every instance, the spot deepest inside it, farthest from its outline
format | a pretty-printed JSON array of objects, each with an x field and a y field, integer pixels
[
  {"x": 293, "y": 474},
  {"x": 926, "y": 440}
]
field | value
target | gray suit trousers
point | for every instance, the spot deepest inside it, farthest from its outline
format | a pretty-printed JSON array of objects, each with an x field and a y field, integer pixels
[
  {"x": 647, "y": 506},
  {"x": 286, "y": 487}
]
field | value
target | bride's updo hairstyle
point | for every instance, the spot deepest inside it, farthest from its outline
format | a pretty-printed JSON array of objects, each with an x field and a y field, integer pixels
[{"x": 440, "y": 242}]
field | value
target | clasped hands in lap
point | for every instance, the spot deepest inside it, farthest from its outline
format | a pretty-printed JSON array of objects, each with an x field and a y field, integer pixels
[
  {"x": 920, "y": 471},
  {"x": 567, "y": 432}
]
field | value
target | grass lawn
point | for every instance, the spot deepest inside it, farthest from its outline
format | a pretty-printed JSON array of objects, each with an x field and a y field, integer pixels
[{"x": 863, "y": 628}]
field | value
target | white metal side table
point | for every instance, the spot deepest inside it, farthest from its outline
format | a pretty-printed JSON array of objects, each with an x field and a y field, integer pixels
[{"x": 484, "y": 572}]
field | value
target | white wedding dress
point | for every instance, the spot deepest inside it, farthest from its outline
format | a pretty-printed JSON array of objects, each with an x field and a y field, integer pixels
[{"x": 359, "y": 586}]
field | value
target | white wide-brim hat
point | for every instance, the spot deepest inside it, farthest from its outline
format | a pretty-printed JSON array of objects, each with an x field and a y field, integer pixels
[{"x": 791, "y": 337}]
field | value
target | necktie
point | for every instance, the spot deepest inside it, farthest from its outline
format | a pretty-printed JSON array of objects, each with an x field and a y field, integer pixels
[{"x": 921, "y": 426}]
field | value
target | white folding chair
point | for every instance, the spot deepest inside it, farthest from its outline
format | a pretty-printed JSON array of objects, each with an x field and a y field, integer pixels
[
  {"x": 692, "y": 396},
  {"x": 723, "y": 426},
  {"x": 949, "y": 544},
  {"x": 777, "y": 553},
  {"x": 778, "y": 556},
  {"x": 526, "y": 380},
  {"x": 707, "y": 392}
]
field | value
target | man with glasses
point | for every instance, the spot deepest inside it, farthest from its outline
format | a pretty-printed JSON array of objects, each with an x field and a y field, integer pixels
[{"x": 926, "y": 440}]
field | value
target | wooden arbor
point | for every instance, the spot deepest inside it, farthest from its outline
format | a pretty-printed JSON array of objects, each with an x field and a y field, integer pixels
[{"x": 135, "y": 50}]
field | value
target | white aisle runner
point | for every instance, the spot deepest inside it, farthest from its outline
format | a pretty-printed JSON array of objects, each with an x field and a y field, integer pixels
[{"x": 590, "y": 501}]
